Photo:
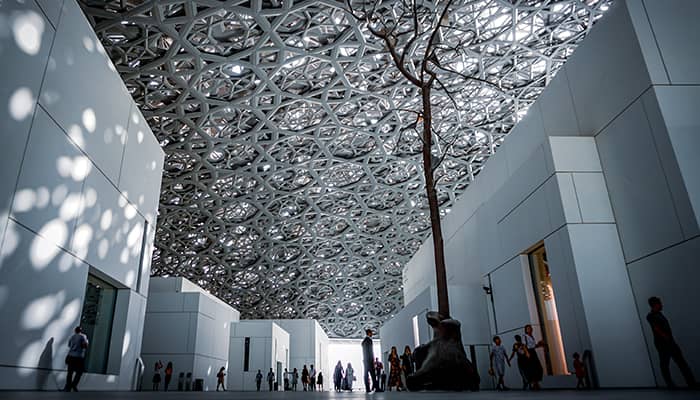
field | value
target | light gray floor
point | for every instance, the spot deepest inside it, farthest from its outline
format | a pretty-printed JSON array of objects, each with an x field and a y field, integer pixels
[{"x": 485, "y": 395}]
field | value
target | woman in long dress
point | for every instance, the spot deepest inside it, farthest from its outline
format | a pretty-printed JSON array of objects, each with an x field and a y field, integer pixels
[
  {"x": 349, "y": 377},
  {"x": 395, "y": 372},
  {"x": 338, "y": 376},
  {"x": 520, "y": 350},
  {"x": 535, "y": 369},
  {"x": 406, "y": 365}
]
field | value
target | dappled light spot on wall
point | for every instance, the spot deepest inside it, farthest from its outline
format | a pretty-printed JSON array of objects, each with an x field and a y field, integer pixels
[
  {"x": 9, "y": 245},
  {"x": 21, "y": 103},
  {"x": 126, "y": 343},
  {"x": 43, "y": 196},
  {"x": 130, "y": 211},
  {"x": 76, "y": 135},
  {"x": 153, "y": 165},
  {"x": 27, "y": 29},
  {"x": 71, "y": 207},
  {"x": 81, "y": 240},
  {"x": 59, "y": 194},
  {"x": 40, "y": 311},
  {"x": 124, "y": 255},
  {"x": 81, "y": 168},
  {"x": 89, "y": 120},
  {"x": 134, "y": 237},
  {"x": 66, "y": 262},
  {"x": 41, "y": 251},
  {"x": 103, "y": 248},
  {"x": 139, "y": 137},
  {"x": 130, "y": 278},
  {"x": 111, "y": 378},
  {"x": 88, "y": 44},
  {"x": 24, "y": 201},
  {"x": 106, "y": 220},
  {"x": 90, "y": 197}
]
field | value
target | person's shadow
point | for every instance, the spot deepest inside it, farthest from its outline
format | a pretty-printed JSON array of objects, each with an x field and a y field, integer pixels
[{"x": 45, "y": 366}]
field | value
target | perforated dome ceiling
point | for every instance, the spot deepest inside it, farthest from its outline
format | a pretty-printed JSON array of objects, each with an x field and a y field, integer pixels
[{"x": 292, "y": 188}]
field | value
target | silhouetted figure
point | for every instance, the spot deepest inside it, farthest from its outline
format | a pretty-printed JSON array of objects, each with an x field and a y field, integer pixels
[
  {"x": 349, "y": 377},
  {"x": 319, "y": 381},
  {"x": 378, "y": 370},
  {"x": 368, "y": 362},
  {"x": 520, "y": 350},
  {"x": 312, "y": 378},
  {"x": 220, "y": 379},
  {"x": 258, "y": 379},
  {"x": 498, "y": 359},
  {"x": 168, "y": 375},
  {"x": 338, "y": 377},
  {"x": 75, "y": 360},
  {"x": 286, "y": 380},
  {"x": 394, "y": 369},
  {"x": 666, "y": 345},
  {"x": 407, "y": 366},
  {"x": 295, "y": 379},
  {"x": 270, "y": 378},
  {"x": 535, "y": 370},
  {"x": 305, "y": 378},
  {"x": 156, "y": 375},
  {"x": 581, "y": 373}
]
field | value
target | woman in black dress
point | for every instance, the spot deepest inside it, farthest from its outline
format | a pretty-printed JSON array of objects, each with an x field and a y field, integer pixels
[{"x": 535, "y": 370}]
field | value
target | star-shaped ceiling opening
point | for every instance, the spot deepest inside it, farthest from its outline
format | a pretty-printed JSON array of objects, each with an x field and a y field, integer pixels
[{"x": 292, "y": 188}]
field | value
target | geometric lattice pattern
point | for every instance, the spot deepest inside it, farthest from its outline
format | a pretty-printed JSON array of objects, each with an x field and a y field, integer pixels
[{"x": 293, "y": 180}]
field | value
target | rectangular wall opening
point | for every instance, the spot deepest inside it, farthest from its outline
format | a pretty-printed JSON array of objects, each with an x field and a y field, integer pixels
[
  {"x": 96, "y": 321},
  {"x": 555, "y": 357}
]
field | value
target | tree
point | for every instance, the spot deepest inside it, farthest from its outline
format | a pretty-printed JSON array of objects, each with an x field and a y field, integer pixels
[{"x": 427, "y": 49}]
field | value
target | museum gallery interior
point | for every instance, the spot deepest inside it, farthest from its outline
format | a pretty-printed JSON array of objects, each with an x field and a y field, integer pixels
[{"x": 254, "y": 184}]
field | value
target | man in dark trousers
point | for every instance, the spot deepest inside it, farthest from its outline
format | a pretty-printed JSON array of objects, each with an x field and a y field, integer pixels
[
  {"x": 77, "y": 347},
  {"x": 666, "y": 345},
  {"x": 368, "y": 362}
]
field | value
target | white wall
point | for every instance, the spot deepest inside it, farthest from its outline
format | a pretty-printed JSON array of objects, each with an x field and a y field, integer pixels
[
  {"x": 187, "y": 326},
  {"x": 77, "y": 162},
  {"x": 269, "y": 344},
  {"x": 308, "y": 343},
  {"x": 604, "y": 170}
]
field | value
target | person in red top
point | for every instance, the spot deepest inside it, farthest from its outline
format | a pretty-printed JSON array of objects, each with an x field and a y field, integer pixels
[
  {"x": 580, "y": 371},
  {"x": 168, "y": 375}
]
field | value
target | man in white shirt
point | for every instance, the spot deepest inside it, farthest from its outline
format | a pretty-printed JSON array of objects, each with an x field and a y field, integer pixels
[
  {"x": 312, "y": 378},
  {"x": 77, "y": 347}
]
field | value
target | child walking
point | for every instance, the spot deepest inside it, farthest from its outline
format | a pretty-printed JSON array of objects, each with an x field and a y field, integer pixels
[
  {"x": 220, "y": 379},
  {"x": 499, "y": 358}
]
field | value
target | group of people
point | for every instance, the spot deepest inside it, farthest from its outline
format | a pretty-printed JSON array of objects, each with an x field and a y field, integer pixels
[
  {"x": 527, "y": 360},
  {"x": 375, "y": 375},
  {"x": 530, "y": 367},
  {"x": 401, "y": 366}
]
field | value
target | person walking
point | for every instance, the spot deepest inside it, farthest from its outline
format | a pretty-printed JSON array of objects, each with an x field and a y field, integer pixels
[
  {"x": 312, "y": 378},
  {"x": 520, "y": 350},
  {"x": 295, "y": 379},
  {"x": 338, "y": 377},
  {"x": 319, "y": 381},
  {"x": 305, "y": 378},
  {"x": 535, "y": 366},
  {"x": 258, "y": 379},
  {"x": 168, "y": 375},
  {"x": 156, "y": 375},
  {"x": 394, "y": 370},
  {"x": 349, "y": 377},
  {"x": 368, "y": 362},
  {"x": 220, "y": 379},
  {"x": 581, "y": 372},
  {"x": 75, "y": 360},
  {"x": 286, "y": 380},
  {"x": 407, "y": 366},
  {"x": 270, "y": 378},
  {"x": 378, "y": 370},
  {"x": 666, "y": 345},
  {"x": 498, "y": 359}
]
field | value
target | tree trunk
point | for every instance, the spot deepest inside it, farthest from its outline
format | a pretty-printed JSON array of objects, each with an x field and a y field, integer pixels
[{"x": 438, "y": 246}]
